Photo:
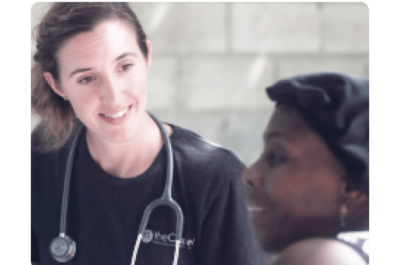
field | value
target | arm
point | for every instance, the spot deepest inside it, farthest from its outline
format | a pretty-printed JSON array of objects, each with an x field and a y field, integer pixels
[
  {"x": 227, "y": 238},
  {"x": 319, "y": 251}
]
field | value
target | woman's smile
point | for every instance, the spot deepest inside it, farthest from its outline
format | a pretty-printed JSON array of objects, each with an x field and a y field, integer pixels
[
  {"x": 116, "y": 118},
  {"x": 260, "y": 209},
  {"x": 118, "y": 114},
  {"x": 104, "y": 76},
  {"x": 291, "y": 183},
  {"x": 260, "y": 216}
]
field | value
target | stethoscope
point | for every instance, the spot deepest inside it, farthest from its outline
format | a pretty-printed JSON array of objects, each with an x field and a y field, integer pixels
[{"x": 63, "y": 247}]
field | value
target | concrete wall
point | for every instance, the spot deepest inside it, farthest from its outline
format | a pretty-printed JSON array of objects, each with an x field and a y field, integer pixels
[{"x": 212, "y": 61}]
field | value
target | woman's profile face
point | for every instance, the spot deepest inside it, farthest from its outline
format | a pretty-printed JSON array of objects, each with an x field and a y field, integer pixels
[
  {"x": 294, "y": 188},
  {"x": 103, "y": 74}
]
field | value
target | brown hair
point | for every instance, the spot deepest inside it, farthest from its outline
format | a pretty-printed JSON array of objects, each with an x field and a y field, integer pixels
[{"x": 61, "y": 22}]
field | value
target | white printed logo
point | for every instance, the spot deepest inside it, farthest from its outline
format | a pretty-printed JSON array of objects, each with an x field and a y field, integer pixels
[
  {"x": 190, "y": 243},
  {"x": 147, "y": 236},
  {"x": 166, "y": 239}
]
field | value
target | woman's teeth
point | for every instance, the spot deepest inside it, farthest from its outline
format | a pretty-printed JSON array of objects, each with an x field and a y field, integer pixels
[
  {"x": 258, "y": 209},
  {"x": 117, "y": 115}
]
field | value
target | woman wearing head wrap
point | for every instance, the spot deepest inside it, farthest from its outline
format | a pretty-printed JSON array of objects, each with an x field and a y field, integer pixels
[{"x": 308, "y": 193}]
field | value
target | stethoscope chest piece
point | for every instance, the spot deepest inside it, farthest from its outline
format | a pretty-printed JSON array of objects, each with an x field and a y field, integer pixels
[{"x": 62, "y": 249}]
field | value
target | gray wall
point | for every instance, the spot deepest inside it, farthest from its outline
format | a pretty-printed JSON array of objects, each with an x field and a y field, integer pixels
[{"x": 212, "y": 61}]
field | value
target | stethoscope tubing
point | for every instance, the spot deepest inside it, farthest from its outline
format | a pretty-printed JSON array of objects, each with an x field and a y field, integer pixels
[
  {"x": 166, "y": 198},
  {"x": 64, "y": 205}
]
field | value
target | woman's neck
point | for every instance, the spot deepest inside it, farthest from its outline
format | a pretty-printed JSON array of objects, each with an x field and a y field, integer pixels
[{"x": 132, "y": 157}]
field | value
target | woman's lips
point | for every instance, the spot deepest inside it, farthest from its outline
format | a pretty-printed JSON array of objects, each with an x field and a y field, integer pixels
[
  {"x": 259, "y": 216},
  {"x": 116, "y": 118},
  {"x": 257, "y": 209},
  {"x": 116, "y": 114},
  {"x": 256, "y": 203}
]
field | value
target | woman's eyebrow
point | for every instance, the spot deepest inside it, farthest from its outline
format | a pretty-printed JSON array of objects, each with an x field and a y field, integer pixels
[
  {"x": 268, "y": 136},
  {"x": 80, "y": 70},
  {"x": 125, "y": 54}
]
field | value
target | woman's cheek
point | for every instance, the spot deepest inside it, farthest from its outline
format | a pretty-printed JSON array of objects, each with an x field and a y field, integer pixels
[
  {"x": 280, "y": 192},
  {"x": 280, "y": 183},
  {"x": 143, "y": 89},
  {"x": 84, "y": 103},
  {"x": 137, "y": 86},
  {"x": 313, "y": 202}
]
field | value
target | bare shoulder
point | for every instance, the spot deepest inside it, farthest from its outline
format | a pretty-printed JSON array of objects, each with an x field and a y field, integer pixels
[{"x": 319, "y": 251}]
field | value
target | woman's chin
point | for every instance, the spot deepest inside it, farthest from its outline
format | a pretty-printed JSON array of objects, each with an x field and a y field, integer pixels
[
  {"x": 264, "y": 233},
  {"x": 271, "y": 244}
]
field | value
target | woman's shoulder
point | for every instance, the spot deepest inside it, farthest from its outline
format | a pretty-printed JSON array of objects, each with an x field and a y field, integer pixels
[
  {"x": 40, "y": 156},
  {"x": 44, "y": 143},
  {"x": 319, "y": 251},
  {"x": 203, "y": 160},
  {"x": 192, "y": 144}
]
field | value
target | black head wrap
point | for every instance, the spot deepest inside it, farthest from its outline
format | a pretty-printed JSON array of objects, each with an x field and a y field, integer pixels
[{"x": 337, "y": 106}]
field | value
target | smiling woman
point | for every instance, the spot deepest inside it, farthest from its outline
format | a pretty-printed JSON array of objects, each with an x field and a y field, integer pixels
[
  {"x": 69, "y": 26},
  {"x": 310, "y": 184},
  {"x": 90, "y": 79}
]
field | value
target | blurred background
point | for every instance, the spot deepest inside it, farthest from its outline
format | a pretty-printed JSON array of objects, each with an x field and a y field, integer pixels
[{"x": 212, "y": 61}]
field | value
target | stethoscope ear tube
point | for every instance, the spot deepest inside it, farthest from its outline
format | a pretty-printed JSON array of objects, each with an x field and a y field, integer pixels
[
  {"x": 67, "y": 181},
  {"x": 166, "y": 199},
  {"x": 63, "y": 248}
]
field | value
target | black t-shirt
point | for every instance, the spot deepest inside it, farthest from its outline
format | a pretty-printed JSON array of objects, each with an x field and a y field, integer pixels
[{"x": 104, "y": 211}]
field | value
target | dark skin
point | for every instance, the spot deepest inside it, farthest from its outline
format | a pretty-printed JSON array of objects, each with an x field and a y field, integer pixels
[{"x": 297, "y": 186}]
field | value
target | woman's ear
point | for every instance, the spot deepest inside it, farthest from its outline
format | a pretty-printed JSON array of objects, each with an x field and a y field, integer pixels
[
  {"x": 149, "y": 54},
  {"x": 353, "y": 194},
  {"x": 50, "y": 80},
  {"x": 356, "y": 197},
  {"x": 357, "y": 204}
]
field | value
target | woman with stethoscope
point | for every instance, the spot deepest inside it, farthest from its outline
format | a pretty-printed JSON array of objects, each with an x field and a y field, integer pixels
[{"x": 100, "y": 162}]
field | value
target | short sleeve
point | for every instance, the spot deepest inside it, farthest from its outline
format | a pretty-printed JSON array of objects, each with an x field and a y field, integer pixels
[
  {"x": 227, "y": 237},
  {"x": 34, "y": 248}
]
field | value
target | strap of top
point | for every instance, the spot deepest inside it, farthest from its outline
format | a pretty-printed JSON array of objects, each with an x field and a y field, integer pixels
[{"x": 357, "y": 247}]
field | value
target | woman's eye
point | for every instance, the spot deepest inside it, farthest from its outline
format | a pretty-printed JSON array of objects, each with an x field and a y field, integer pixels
[
  {"x": 126, "y": 67},
  {"x": 86, "y": 80},
  {"x": 274, "y": 159}
]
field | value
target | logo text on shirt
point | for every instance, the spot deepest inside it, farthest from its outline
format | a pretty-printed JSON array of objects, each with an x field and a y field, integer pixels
[{"x": 165, "y": 239}]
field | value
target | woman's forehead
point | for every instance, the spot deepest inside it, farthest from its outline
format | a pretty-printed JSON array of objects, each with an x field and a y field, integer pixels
[
  {"x": 298, "y": 136},
  {"x": 287, "y": 120},
  {"x": 107, "y": 36}
]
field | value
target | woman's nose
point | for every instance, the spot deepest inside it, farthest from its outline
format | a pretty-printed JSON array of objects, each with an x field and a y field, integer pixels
[
  {"x": 252, "y": 177},
  {"x": 110, "y": 91}
]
